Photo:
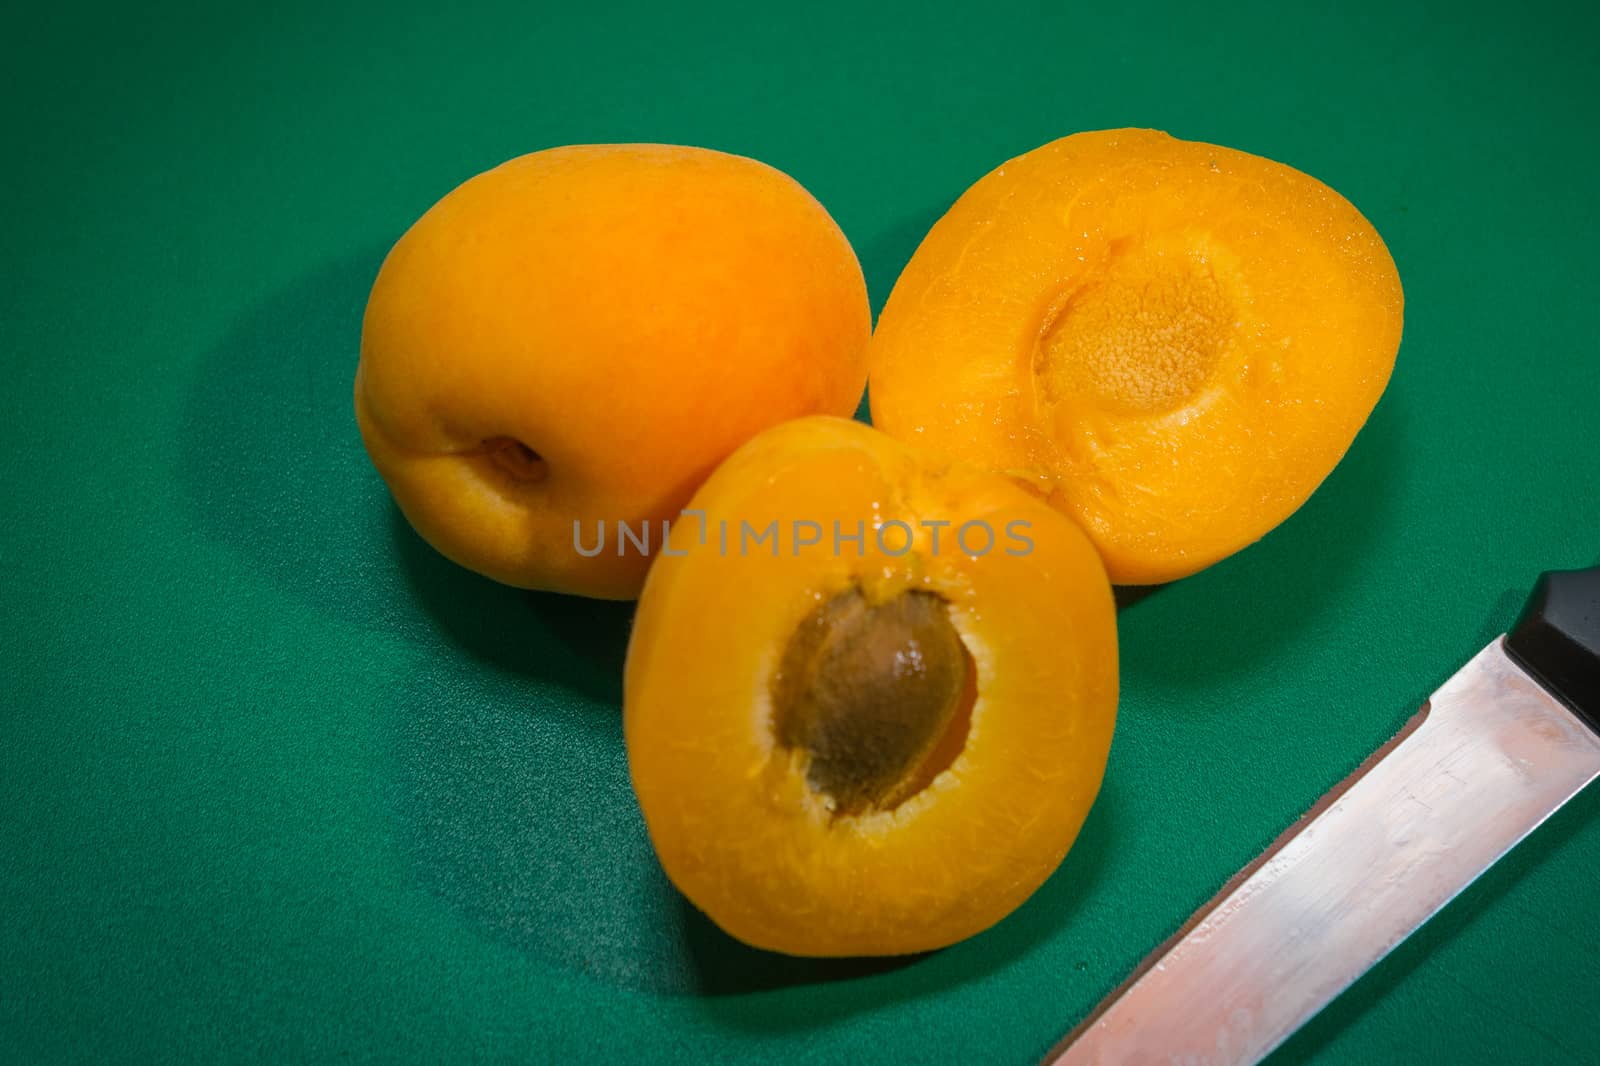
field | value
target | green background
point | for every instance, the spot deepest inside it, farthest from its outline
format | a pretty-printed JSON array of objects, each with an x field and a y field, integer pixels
[{"x": 276, "y": 783}]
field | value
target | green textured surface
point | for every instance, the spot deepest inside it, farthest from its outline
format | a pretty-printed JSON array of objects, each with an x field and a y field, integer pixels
[{"x": 278, "y": 784}]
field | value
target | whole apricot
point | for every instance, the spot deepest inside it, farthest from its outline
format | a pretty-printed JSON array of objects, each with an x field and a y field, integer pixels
[
  {"x": 868, "y": 698},
  {"x": 1173, "y": 343},
  {"x": 577, "y": 337}
]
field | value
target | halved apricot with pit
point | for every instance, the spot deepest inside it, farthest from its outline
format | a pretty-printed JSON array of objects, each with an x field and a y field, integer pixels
[
  {"x": 1172, "y": 342},
  {"x": 868, "y": 698}
]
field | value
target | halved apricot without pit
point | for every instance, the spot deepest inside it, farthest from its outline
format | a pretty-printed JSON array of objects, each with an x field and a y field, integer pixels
[
  {"x": 1172, "y": 342},
  {"x": 868, "y": 700}
]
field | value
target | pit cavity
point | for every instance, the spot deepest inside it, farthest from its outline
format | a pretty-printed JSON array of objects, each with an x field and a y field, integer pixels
[{"x": 1143, "y": 338}]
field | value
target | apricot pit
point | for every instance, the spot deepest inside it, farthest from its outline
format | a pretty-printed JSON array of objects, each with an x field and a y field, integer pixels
[{"x": 867, "y": 691}]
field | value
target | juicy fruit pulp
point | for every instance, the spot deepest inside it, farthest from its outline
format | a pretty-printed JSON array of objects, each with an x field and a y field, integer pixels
[
  {"x": 581, "y": 334},
  {"x": 1172, "y": 342},
  {"x": 845, "y": 748}
]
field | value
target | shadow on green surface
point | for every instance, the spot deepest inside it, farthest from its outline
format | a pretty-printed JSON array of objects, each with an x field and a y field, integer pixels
[
  {"x": 1129, "y": 595},
  {"x": 577, "y": 643},
  {"x": 512, "y": 808},
  {"x": 1260, "y": 598},
  {"x": 724, "y": 966},
  {"x": 886, "y": 255},
  {"x": 270, "y": 460}
]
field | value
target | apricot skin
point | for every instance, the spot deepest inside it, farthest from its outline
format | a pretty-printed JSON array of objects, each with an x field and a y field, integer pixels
[
  {"x": 1173, "y": 343},
  {"x": 582, "y": 334},
  {"x": 739, "y": 826}
]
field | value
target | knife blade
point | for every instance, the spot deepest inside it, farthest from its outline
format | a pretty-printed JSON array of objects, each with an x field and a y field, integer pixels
[{"x": 1493, "y": 753}]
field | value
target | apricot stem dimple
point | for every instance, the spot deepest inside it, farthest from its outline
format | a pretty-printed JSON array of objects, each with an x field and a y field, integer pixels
[
  {"x": 869, "y": 692},
  {"x": 516, "y": 459}
]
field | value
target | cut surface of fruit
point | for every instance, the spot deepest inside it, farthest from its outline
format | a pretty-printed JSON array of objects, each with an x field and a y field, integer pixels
[{"x": 1172, "y": 342}]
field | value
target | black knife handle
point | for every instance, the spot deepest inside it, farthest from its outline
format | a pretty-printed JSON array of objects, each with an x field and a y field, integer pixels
[{"x": 1557, "y": 638}]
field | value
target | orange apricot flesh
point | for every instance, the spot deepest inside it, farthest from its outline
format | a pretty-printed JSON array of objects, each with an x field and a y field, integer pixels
[
  {"x": 878, "y": 728},
  {"x": 581, "y": 334},
  {"x": 1173, "y": 343}
]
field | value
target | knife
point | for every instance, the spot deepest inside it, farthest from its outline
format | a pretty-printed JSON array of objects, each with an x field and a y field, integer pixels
[{"x": 1492, "y": 754}]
